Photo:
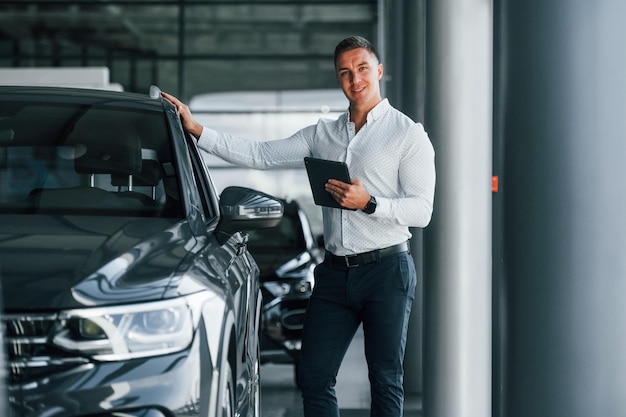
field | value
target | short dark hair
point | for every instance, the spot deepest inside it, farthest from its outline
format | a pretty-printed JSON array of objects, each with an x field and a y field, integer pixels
[{"x": 354, "y": 42}]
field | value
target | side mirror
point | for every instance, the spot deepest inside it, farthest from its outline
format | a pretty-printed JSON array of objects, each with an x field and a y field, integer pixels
[
  {"x": 244, "y": 209},
  {"x": 6, "y": 136}
]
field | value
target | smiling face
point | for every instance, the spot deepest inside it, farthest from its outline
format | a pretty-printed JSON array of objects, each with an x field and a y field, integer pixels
[{"x": 359, "y": 73}]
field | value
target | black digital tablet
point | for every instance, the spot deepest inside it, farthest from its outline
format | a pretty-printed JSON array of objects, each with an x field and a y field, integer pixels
[{"x": 319, "y": 172}]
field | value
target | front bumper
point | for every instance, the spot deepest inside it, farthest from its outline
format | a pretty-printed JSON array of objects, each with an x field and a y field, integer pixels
[{"x": 175, "y": 385}]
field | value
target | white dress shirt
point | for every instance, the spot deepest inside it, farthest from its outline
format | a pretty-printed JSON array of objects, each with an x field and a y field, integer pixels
[{"x": 391, "y": 155}]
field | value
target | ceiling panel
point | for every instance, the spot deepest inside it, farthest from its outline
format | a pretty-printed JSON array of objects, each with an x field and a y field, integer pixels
[{"x": 187, "y": 47}]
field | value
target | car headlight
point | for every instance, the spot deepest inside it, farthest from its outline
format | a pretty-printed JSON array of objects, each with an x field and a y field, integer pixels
[
  {"x": 127, "y": 331},
  {"x": 287, "y": 287},
  {"x": 301, "y": 287},
  {"x": 295, "y": 277}
]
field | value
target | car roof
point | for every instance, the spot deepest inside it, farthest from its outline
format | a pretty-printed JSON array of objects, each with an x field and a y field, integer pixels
[{"x": 81, "y": 95}]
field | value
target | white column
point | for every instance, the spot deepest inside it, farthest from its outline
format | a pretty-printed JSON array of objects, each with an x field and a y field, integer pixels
[{"x": 457, "y": 281}]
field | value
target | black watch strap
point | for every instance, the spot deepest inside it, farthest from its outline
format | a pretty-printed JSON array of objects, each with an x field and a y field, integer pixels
[{"x": 370, "y": 207}]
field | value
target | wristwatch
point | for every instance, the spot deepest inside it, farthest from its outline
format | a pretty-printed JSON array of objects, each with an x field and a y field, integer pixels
[{"x": 370, "y": 207}]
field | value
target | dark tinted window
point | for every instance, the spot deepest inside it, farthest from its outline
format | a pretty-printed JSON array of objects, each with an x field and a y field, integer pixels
[
  {"x": 86, "y": 159},
  {"x": 203, "y": 181}
]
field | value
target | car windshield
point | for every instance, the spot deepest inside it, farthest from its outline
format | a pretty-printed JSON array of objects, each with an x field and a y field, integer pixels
[{"x": 95, "y": 159}]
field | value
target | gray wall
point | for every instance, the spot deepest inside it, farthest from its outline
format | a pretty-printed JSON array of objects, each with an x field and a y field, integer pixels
[{"x": 562, "y": 108}]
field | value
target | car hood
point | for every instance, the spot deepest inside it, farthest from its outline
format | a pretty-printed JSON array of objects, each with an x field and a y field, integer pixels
[{"x": 54, "y": 262}]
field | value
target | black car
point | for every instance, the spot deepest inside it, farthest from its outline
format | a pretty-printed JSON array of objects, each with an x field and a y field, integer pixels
[
  {"x": 286, "y": 255},
  {"x": 4, "y": 394},
  {"x": 128, "y": 288}
]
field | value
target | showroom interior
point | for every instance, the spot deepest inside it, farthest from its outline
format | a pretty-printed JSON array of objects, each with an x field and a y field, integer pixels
[{"x": 520, "y": 306}]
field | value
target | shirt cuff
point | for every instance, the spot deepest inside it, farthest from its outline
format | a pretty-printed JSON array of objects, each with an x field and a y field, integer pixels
[{"x": 207, "y": 138}]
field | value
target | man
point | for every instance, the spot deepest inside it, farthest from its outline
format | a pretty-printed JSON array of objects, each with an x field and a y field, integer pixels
[{"x": 368, "y": 275}]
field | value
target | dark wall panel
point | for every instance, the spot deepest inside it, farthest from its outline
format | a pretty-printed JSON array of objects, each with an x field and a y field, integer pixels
[{"x": 563, "y": 98}]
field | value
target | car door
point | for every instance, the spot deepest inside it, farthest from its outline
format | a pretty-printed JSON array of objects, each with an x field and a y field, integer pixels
[
  {"x": 235, "y": 265},
  {"x": 241, "y": 274},
  {"x": 239, "y": 268}
]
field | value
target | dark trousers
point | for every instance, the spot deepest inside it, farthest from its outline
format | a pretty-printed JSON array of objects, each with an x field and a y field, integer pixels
[{"x": 379, "y": 295}]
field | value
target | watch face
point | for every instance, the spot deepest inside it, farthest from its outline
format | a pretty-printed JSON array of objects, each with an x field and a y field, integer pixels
[{"x": 370, "y": 207}]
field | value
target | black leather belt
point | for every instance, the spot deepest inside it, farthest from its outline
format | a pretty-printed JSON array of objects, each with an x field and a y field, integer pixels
[{"x": 365, "y": 257}]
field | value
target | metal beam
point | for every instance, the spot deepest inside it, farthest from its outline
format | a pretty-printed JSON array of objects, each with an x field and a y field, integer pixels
[
  {"x": 149, "y": 54},
  {"x": 189, "y": 2}
]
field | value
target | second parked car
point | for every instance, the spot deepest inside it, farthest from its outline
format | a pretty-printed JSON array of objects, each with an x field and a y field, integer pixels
[{"x": 287, "y": 255}]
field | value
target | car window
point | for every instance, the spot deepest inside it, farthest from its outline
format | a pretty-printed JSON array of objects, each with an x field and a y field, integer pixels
[
  {"x": 86, "y": 159},
  {"x": 204, "y": 183}
]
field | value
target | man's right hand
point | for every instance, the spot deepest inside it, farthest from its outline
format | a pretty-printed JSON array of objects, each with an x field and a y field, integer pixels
[{"x": 189, "y": 123}]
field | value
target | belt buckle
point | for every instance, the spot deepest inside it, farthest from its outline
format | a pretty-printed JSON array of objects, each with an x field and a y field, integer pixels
[{"x": 347, "y": 260}]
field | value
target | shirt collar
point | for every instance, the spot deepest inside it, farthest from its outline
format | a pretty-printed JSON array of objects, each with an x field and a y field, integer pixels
[
  {"x": 379, "y": 109},
  {"x": 376, "y": 112}
]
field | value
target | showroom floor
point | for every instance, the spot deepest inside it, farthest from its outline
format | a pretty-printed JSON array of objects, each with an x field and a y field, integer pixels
[{"x": 281, "y": 398}]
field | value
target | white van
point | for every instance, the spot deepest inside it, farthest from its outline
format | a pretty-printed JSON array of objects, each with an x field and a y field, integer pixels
[{"x": 79, "y": 77}]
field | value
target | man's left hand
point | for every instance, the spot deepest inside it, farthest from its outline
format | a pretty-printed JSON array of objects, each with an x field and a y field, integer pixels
[{"x": 350, "y": 196}]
